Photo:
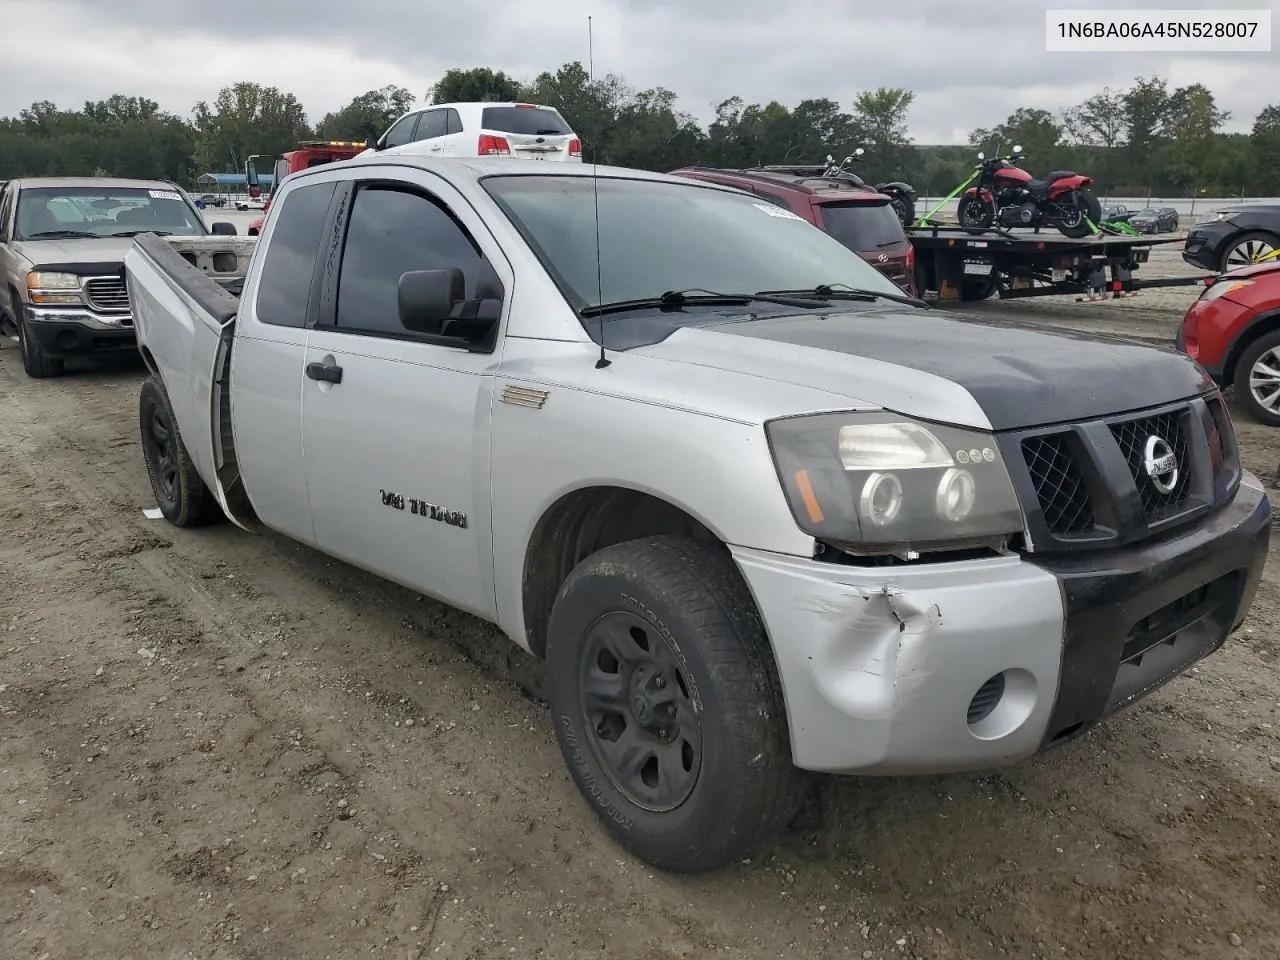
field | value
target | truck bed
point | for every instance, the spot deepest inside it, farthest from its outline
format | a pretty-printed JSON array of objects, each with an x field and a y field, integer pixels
[{"x": 185, "y": 294}]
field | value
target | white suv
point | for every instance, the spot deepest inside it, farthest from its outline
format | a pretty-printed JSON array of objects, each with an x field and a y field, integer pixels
[{"x": 524, "y": 130}]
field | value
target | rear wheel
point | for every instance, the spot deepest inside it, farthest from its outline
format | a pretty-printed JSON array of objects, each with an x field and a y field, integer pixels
[
  {"x": 976, "y": 214},
  {"x": 1248, "y": 248},
  {"x": 1081, "y": 218},
  {"x": 180, "y": 494},
  {"x": 905, "y": 209},
  {"x": 667, "y": 704}
]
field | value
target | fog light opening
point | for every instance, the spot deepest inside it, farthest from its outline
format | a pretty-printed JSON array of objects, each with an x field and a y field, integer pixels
[
  {"x": 1002, "y": 704},
  {"x": 986, "y": 699}
]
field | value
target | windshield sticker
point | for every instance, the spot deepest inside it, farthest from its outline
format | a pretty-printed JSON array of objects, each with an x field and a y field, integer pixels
[
  {"x": 163, "y": 195},
  {"x": 773, "y": 211}
]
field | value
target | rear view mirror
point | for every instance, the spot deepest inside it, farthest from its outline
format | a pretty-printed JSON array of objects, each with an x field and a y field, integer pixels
[
  {"x": 1017, "y": 148},
  {"x": 981, "y": 155},
  {"x": 222, "y": 228},
  {"x": 859, "y": 152},
  {"x": 427, "y": 298}
]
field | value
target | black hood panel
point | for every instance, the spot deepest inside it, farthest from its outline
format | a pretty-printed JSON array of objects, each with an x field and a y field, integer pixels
[{"x": 1020, "y": 375}]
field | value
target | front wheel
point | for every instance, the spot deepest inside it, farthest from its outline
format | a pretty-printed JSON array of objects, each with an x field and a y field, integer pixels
[
  {"x": 1081, "y": 218},
  {"x": 35, "y": 361},
  {"x": 181, "y": 495},
  {"x": 1257, "y": 379},
  {"x": 976, "y": 214},
  {"x": 667, "y": 704},
  {"x": 1248, "y": 248}
]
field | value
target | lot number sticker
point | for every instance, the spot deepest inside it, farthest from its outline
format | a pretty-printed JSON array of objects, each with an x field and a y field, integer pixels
[
  {"x": 773, "y": 211},
  {"x": 163, "y": 195}
]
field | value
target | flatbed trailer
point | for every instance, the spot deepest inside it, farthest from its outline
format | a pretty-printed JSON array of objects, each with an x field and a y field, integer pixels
[{"x": 965, "y": 265}]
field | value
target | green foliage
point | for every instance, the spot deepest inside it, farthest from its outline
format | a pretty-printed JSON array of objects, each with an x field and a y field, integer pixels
[
  {"x": 368, "y": 115},
  {"x": 477, "y": 85},
  {"x": 1146, "y": 139}
]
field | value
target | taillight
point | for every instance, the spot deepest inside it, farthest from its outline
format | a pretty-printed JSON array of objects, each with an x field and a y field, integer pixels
[
  {"x": 491, "y": 146},
  {"x": 911, "y": 256},
  {"x": 575, "y": 147}
]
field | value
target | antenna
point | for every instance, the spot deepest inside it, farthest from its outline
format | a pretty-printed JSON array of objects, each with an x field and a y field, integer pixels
[{"x": 595, "y": 193}]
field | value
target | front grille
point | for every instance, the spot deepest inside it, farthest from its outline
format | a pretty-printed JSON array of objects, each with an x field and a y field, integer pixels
[
  {"x": 1087, "y": 485},
  {"x": 107, "y": 293},
  {"x": 1059, "y": 485},
  {"x": 1134, "y": 436}
]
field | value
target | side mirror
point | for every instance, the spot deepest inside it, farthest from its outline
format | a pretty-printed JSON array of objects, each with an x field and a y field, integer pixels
[
  {"x": 427, "y": 297},
  {"x": 1017, "y": 148},
  {"x": 371, "y": 143},
  {"x": 981, "y": 155},
  {"x": 222, "y": 228},
  {"x": 829, "y": 158},
  {"x": 859, "y": 152}
]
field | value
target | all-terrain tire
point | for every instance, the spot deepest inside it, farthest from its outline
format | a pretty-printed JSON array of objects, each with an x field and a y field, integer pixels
[
  {"x": 1241, "y": 376},
  {"x": 35, "y": 361},
  {"x": 683, "y": 602},
  {"x": 180, "y": 494}
]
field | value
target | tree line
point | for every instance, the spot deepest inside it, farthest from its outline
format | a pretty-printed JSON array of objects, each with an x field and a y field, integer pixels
[{"x": 1146, "y": 138}]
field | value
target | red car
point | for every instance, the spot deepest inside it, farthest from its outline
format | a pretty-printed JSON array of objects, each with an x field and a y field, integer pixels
[
  {"x": 1233, "y": 330},
  {"x": 862, "y": 220}
]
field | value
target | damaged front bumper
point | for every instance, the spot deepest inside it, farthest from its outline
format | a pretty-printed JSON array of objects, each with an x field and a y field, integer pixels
[{"x": 946, "y": 667}]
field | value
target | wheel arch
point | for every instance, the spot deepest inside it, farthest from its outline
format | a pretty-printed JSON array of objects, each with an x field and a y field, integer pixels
[
  {"x": 585, "y": 520},
  {"x": 1260, "y": 326}
]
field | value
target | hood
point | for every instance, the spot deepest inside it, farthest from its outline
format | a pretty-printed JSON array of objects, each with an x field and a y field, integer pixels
[
  {"x": 103, "y": 255},
  {"x": 945, "y": 367}
]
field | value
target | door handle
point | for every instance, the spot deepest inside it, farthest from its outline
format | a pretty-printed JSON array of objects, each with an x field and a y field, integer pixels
[
  {"x": 324, "y": 371},
  {"x": 435, "y": 146}
]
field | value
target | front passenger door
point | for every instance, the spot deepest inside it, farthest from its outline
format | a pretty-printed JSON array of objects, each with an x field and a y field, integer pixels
[{"x": 397, "y": 451}]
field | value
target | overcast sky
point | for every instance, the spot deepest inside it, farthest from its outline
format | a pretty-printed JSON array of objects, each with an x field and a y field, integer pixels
[{"x": 970, "y": 62}]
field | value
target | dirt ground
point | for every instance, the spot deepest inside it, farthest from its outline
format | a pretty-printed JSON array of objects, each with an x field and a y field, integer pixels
[{"x": 218, "y": 746}]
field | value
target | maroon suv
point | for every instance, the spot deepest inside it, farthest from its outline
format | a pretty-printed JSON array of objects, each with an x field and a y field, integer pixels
[{"x": 862, "y": 220}]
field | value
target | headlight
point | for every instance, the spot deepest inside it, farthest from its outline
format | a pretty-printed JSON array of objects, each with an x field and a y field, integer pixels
[
  {"x": 1222, "y": 288},
  {"x": 46, "y": 288},
  {"x": 881, "y": 483}
]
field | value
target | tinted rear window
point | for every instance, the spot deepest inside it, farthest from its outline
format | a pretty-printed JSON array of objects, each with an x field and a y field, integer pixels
[
  {"x": 530, "y": 120},
  {"x": 863, "y": 226}
]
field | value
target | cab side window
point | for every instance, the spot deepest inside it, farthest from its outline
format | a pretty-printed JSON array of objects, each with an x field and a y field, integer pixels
[
  {"x": 401, "y": 132},
  {"x": 393, "y": 230},
  {"x": 284, "y": 292}
]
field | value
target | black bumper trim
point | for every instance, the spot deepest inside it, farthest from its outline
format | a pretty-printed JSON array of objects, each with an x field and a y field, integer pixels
[
  {"x": 70, "y": 339},
  {"x": 1137, "y": 617}
]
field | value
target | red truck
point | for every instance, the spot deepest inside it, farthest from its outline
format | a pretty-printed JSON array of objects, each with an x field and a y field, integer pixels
[{"x": 309, "y": 153}]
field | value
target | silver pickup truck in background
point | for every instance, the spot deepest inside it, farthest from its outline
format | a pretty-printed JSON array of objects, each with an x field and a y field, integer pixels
[
  {"x": 62, "y": 240},
  {"x": 761, "y": 513}
]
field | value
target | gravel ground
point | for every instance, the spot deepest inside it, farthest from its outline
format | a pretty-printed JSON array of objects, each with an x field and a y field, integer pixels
[{"x": 221, "y": 746}]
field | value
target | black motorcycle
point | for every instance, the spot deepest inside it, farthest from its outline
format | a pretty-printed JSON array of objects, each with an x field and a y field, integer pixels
[{"x": 902, "y": 195}]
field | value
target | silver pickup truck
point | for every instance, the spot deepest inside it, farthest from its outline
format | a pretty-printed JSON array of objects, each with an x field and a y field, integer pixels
[
  {"x": 62, "y": 239},
  {"x": 760, "y": 513}
]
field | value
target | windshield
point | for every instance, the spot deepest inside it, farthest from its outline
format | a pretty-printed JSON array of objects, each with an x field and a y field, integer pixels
[
  {"x": 103, "y": 212},
  {"x": 657, "y": 236},
  {"x": 864, "y": 227},
  {"x": 528, "y": 120}
]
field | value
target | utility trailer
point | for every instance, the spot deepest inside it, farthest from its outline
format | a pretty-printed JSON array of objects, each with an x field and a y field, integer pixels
[{"x": 965, "y": 265}]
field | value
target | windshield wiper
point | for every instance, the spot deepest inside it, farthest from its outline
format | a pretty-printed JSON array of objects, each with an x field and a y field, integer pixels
[
  {"x": 675, "y": 299},
  {"x": 829, "y": 291},
  {"x": 134, "y": 233},
  {"x": 62, "y": 235}
]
